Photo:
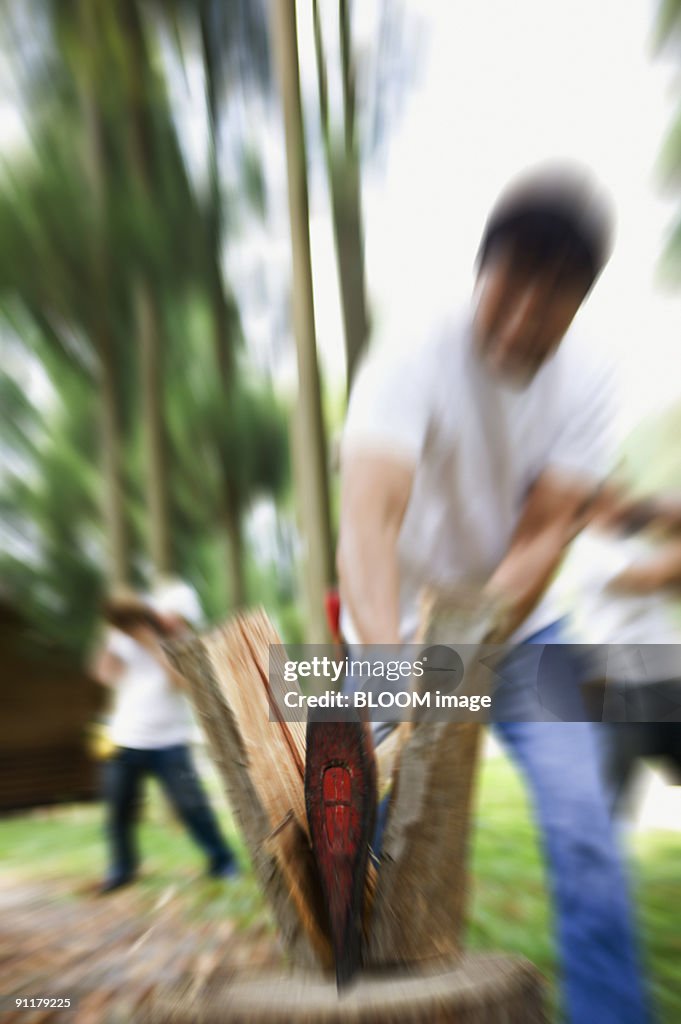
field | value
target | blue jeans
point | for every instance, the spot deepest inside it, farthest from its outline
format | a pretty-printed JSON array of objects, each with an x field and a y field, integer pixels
[
  {"x": 561, "y": 764},
  {"x": 173, "y": 767}
]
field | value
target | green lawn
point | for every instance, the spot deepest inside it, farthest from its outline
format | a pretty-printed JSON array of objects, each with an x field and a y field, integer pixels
[{"x": 510, "y": 911}]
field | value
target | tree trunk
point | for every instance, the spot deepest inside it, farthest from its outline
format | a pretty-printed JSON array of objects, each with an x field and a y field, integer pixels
[
  {"x": 224, "y": 318},
  {"x": 343, "y": 169},
  {"x": 151, "y": 365},
  {"x": 111, "y": 430},
  {"x": 111, "y": 439},
  {"x": 347, "y": 225},
  {"x": 224, "y": 341},
  {"x": 310, "y": 449},
  {"x": 146, "y": 307},
  {"x": 235, "y": 548}
]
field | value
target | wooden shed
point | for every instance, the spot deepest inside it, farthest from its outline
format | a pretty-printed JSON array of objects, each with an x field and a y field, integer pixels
[{"x": 47, "y": 702}]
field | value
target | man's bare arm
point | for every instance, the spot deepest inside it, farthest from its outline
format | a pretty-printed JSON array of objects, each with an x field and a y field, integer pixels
[
  {"x": 553, "y": 514},
  {"x": 105, "y": 667},
  {"x": 374, "y": 497}
]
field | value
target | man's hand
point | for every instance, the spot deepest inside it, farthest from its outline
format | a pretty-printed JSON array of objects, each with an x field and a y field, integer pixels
[
  {"x": 638, "y": 579},
  {"x": 375, "y": 494},
  {"x": 555, "y": 510},
  {"x": 664, "y": 512},
  {"x": 659, "y": 573},
  {"x": 146, "y": 637}
]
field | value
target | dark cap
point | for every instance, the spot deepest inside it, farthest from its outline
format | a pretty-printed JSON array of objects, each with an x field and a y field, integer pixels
[{"x": 560, "y": 210}]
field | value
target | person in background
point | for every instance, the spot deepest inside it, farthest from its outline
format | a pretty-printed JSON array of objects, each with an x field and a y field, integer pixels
[
  {"x": 151, "y": 728},
  {"x": 470, "y": 457},
  {"x": 625, "y": 571}
]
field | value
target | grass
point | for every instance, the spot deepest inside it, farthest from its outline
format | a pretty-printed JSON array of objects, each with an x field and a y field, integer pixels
[
  {"x": 69, "y": 841},
  {"x": 510, "y": 911}
]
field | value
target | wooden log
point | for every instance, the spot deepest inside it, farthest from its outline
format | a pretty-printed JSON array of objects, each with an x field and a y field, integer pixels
[
  {"x": 478, "y": 990},
  {"x": 261, "y": 772},
  {"x": 421, "y": 896}
]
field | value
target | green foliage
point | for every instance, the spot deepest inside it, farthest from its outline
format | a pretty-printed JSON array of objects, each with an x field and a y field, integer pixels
[
  {"x": 253, "y": 181},
  {"x": 668, "y": 22},
  {"x": 651, "y": 452},
  {"x": 668, "y": 37},
  {"x": 76, "y": 235},
  {"x": 52, "y": 566}
]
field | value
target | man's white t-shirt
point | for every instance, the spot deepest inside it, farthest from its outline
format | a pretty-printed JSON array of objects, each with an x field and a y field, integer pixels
[
  {"x": 149, "y": 710},
  {"x": 476, "y": 446}
]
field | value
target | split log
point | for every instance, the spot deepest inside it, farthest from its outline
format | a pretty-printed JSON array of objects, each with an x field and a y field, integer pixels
[
  {"x": 238, "y": 691},
  {"x": 479, "y": 990},
  {"x": 422, "y": 887},
  {"x": 261, "y": 764}
]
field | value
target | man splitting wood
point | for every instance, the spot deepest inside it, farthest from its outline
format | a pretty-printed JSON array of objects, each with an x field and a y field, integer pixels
[{"x": 471, "y": 458}]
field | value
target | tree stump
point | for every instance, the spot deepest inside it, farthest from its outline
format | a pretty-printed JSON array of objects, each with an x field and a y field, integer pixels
[{"x": 478, "y": 990}]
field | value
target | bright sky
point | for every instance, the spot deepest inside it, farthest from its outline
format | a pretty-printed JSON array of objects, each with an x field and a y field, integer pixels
[{"x": 506, "y": 85}]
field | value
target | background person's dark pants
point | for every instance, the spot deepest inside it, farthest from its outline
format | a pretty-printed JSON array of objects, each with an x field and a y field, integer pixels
[
  {"x": 625, "y": 744},
  {"x": 653, "y": 731},
  {"x": 173, "y": 767}
]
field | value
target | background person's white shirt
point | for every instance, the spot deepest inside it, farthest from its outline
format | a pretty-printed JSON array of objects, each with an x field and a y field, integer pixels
[
  {"x": 477, "y": 446},
  {"x": 149, "y": 710},
  {"x": 643, "y": 630}
]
